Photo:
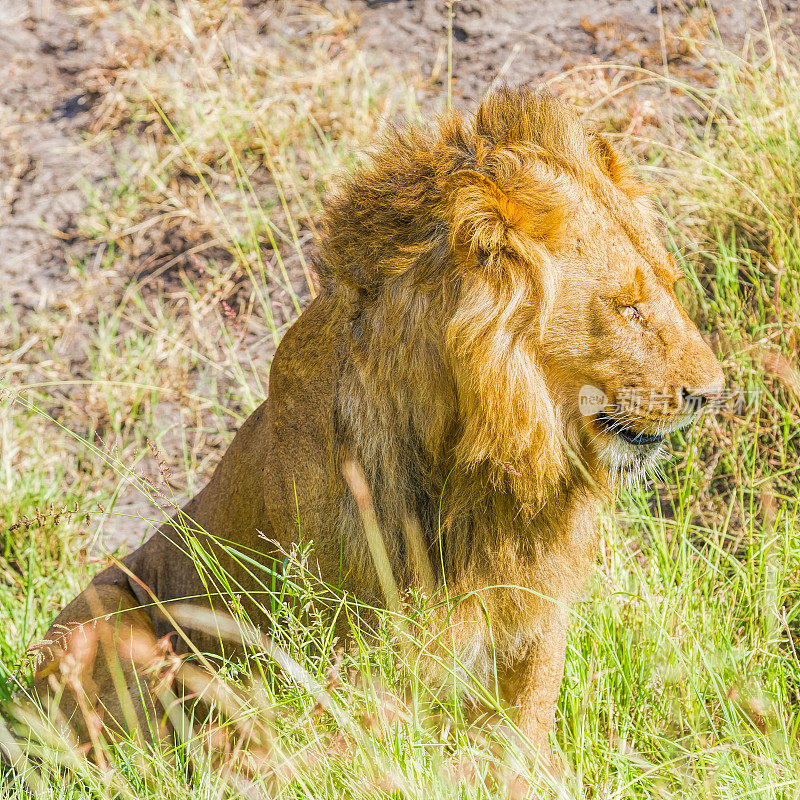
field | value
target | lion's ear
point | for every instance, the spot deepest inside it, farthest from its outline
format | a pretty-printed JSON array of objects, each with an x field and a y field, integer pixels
[
  {"x": 618, "y": 168},
  {"x": 487, "y": 217}
]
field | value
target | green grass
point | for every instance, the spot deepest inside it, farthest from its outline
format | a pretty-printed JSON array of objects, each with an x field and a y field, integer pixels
[{"x": 683, "y": 662}]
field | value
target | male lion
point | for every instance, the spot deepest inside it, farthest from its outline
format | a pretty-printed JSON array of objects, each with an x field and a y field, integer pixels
[{"x": 475, "y": 278}]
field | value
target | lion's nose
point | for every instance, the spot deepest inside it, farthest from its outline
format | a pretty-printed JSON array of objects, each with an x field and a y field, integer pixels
[{"x": 697, "y": 397}]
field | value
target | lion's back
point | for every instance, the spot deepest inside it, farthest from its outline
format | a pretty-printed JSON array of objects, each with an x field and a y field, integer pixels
[{"x": 298, "y": 482}]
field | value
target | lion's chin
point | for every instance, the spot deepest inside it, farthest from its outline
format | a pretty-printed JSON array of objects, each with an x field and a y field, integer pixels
[
  {"x": 629, "y": 453},
  {"x": 632, "y": 461}
]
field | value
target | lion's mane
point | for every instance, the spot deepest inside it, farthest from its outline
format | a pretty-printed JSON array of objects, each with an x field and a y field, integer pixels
[{"x": 439, "y": 247}]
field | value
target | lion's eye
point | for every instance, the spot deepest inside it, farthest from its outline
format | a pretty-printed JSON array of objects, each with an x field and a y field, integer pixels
[{"x": 633, "y": 313}]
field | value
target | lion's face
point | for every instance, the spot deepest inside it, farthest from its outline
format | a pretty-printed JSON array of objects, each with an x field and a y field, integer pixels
[
  {"x": 626, "y": 362},
  {"x": 515, "y": 256}
]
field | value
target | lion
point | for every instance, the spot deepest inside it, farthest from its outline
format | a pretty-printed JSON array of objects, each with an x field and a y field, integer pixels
[{"x": 479, "y": 280}]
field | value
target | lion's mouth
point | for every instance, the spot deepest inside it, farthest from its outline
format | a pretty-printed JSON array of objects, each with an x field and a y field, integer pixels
[{"x": 615, "y": 426}]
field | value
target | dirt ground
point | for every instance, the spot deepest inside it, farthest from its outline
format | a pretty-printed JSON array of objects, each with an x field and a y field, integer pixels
[
  {"x": 42, "y": 154},
  {"x": 45, "y": 53},
  {"x": 527, "y": 40}
]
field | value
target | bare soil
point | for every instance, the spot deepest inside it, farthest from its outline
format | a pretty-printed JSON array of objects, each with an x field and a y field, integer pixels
[
  {"x": 43, "y": 157},
  {"x": 527, "y": 40}
]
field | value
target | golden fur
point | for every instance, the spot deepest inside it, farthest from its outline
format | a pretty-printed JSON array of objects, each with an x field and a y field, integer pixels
[{"x": 475, "y": 278}]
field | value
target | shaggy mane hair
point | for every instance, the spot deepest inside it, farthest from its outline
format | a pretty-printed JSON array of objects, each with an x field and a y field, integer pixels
[{"x": 439, "y": 250}]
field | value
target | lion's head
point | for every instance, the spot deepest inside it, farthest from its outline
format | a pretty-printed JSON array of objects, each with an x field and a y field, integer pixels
[{"x": 514, "y": 263}]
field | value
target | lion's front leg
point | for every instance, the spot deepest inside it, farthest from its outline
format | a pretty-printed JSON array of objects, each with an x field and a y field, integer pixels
[{"x": 531, "y": 685}]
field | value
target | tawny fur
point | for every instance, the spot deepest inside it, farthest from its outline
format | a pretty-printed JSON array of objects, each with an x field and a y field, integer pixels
[{"x": 472, "y": 281}]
